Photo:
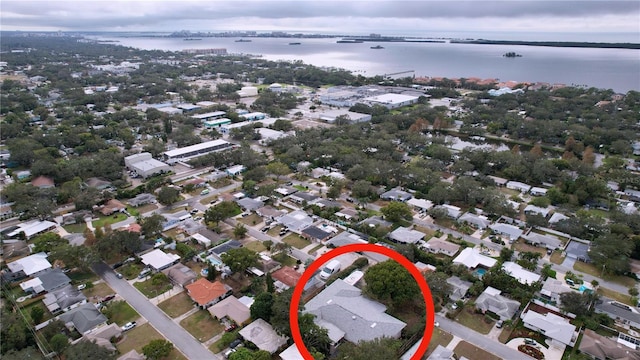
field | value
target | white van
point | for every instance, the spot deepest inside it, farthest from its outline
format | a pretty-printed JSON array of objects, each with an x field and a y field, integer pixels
[
  {"x": 204, "y": 192},
  {"x": 331, "y": 268}
]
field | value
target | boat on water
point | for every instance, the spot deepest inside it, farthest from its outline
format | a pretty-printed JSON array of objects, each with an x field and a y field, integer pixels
[
  {"x": 349, "y": 41},
  {"x": 192, "y": 39},
  {"x": 243, "y": 40},
  {"x": 377, "y": 47},
  {"x": 295, "y": 43}
]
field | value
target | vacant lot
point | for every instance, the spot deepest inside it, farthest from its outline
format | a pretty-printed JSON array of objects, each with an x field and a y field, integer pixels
[
  {"x": 256, "y": 246},
  {"x": 99, "y": 290},
  {"x": 471, "y": 352},
  {"x": 439, "y": 337},
  {"x": 521, "y": 247},
  {"x": 594, "y": 271},
  {"x": 140, "y": 336},
  {"x": 296, "y": 241},
  {"x": 477, "y": 322},
  {"x": 154, "y": 286},
  {"x": 177, "y": 305},
  {"x": 202, "y": 326},
  {"x": 251, "y": 220},
  {"x": 120, "y": 312}
]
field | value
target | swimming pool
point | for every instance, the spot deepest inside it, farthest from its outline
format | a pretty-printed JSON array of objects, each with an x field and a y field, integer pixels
[
  {"x": 214, "y": 260},
  {"x": 479, "y": 272}
]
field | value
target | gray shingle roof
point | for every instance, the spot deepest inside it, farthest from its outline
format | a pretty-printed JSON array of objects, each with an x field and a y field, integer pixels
[
  {"x": 491, "y": 300},
  {"x": 53, "y": 279},
  {"x": 84, "y": 318}
]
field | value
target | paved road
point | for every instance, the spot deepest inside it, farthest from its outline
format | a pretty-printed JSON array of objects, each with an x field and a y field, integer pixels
[
  {"x": 480, "y": 340},
  {"x": 180, "y": 338}
]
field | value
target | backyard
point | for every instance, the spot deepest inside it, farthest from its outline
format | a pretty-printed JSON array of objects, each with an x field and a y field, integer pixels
[
  {"x": 296, "y": 241},
  {"x": 120, "y": 312},
  {"x": 140, "y": 336},
  {"x": 156, "y": 285},
  {"x": 176, "y": 305},
  {"x": 202, "y": 325},
  {"x": 478, "y": 322}
]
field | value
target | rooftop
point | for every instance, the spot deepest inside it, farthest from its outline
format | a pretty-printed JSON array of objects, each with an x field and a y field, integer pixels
[{"x": 203, "y": 291}]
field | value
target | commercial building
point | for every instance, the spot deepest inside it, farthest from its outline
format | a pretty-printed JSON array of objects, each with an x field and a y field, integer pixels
[
  {"x": 216, "y": 123},
  {"x": 193, "y": 151},
  {"x": 330, "y": 116},
  {"x": 209, "y": 116},
  {"x": 391, "y": 101},
  {"x": 145, "y": 165}
]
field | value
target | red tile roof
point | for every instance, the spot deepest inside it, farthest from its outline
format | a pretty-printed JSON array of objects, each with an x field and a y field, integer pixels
[
  {"x": 287, "y": 275},
  {"x": 204, "y": 291}
]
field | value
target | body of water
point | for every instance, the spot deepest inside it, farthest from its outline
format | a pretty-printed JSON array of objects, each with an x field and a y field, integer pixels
[{"x": 617, "y": 69}]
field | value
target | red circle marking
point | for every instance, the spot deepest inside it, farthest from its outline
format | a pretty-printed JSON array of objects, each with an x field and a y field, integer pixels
[{"x": 311, "y": 269}]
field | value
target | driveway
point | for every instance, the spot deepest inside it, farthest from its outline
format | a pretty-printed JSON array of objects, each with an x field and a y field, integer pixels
[
  {"x": 180, "y": 338},
  {"x": 551, "y": 353}
]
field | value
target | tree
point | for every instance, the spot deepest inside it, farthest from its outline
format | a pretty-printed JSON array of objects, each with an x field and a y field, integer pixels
[
  {"x": 240, "y": 259},
  {"x": 378, "y": 349},
  {"x": 244, "y": 353},
  {"x": 269, "y": 281},
  {"x": 278, "y": 169},
  {"x": 611, "y": 252},
  {"x": 27, "y": 353},
  {"x": 633, "y": 291},
  {"x": 397, "y": 211},
  {"x": 575, "y": 303},
  {"x": 506, "y": 254},
  {"x": 152, "y": 226},
  {"x": 261, "y": 307},
  {"x": 438, "y": 284},
  {"x": 47, "y": 241},
  {"x": 212, "y": 273},
  {"x": 88, "y": 350},
  {"x": 157, "y": 349},
  {"x": 168, "y": 195},
  {"x": 74, "y": 256},
  {"x": 239, "y": 231},
  {"x": 59, "y": 342},
  {"x": 37, "y": 313},
  {"x": 390, "y": 283},
  {"x": 315, "y": 337},
  {"x": 221, "y": 211}
]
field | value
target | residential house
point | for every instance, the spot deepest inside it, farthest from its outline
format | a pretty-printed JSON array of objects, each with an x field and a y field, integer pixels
[
  {"x": 633, "y": 195},
  {"x": 552, "y": 289},
  {"x": 548, "y": 241},
  {"x": 206, "y": 293},
  {"x": 406, "y": 235},
  {"x": 424, "y": 268},
  {"x": 438, "y": 246},
  {"x": 31, "y": 228},
  {"x": 327, "y": 204},
  {"x": 269, "y": 213},
  {"x": 83, "y": 318},
  {"x": 291, "y": 353},
  {"x": 536, "y": 210},
  {"x": 600, "y": 347},
  {"x": 97, "y": 183},
  {"x": 519, "y": 273},
  {"x": 64, "y": 299},
  {"x": 347, "y": 213},
  {"x": 441, "y": 353},
  {"x": 285, "y": 190},
  {"x": 319, "y": 172},
  {"x": 43, "y": 182},
  {"x": 538, "y": 191},
  {"x": 557, "y": 217},
  {"x": 207, "y": 237},
  {"x": 158, "y": 260},
  {"x": 421, "y": 205},
  {"x": 471, "y": 258},
  {"x": 510, "y": 231},
  {"x": 249, "y": 205},
  {"x": 551, "y": 325},
  {"x": 231, "y": 308},
  {"x": 477, "y": 221},
  {"x": 374, "y": 221},
  {"x": 262, "y": 335},
  {"x": 516, "y": 185},
  {"x": 621, "y": 313},
  {"x": 451, "y": 211},
  {"x": 286, "y": 277},
  {"x": 102, "y": 336},
  {"x": 302, "y": 197},
  {"x": 112, "y": 206},
  {"x": 224, "y": 247},
  {"x": 296, "y": 221},
  {"x": 345, "y": 313},
  {"x": 396, "y": 194},
  {"x": 180, "y": 275},
  {"x": 500, "y": 182},
  {"x": 578, "y": 250},
  {"x": 345, "y": 238},
  {"x": 142, "y": 199},
  {"x": 459, "y": 287},
  {"x": 31, "y": 265},
  {"x": 53, "y": 279},
  {"x": 491, "y": 300},
  {"x": 314, "y": 233}
]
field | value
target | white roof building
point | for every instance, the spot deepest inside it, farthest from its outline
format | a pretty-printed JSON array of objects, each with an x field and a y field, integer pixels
[
  {"x": 296, "y": 221},
  {"x": 516, "y": 185},
  {"x": 532, "y": 209},
  {"x": 391, "y": 101},
  {"x": 521, "y": 274},
  {"x": 513, "y": 232},
  {"x": 31, "y": 264},
  {"x": 32, "y": 228},
  {"x": 262, "y": 335},
  {"x": 556, "y": 217},
  {"x": 552, "y": 326},
  {"x": 189, "y": 152},
  {"x": 421, "y": 204},
  {"x": 291, "y": 353},
  {"x": 331, "y": 116},
  {"x": 471, "y": 258},
  {"x": 406, "y": 236},
  {"x": 158, "y": 259}
]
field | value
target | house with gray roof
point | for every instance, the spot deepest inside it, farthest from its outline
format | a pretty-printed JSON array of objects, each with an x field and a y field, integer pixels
[
  {"x": 552, "y": 289},
  {"x": 142, "y": 199},
  {"x": 328, "y": 204},
  {"x": 536, "y": 210},
  {"x": 516, "y": 185},
  {"x": 84, "y": 318},
  {"x": 64, "y": 299},
  {"x": 296, "y": 221},
  {"x": 459, "y": 287},
  {"x": 601, "y": 347},
  {"x": 552, "y": 326},
  {"x": 262, "y": 335},
  {"x": 376, "y": 221},
  {"x": 556, "y": 217},
  {"x": 301, "y": 197},
  {"x": 548, "y": 241},
  {"x": 249, "y": 204},
  {"x": 438, "y": 246},
  {"x": 346, "y": 314},
  {"x": 53, "y": 279},
  {"x": 510, "y": 231},
  {"x": 180, "y": 274},
  {"x": 314, "y": 233},
  {"x": 577, "y": 250},
  {"x": 618, "y": 311},
  {"x": 224, "y": 247},
  {"x": 346, "y": 238},
  {"x": 269, "y": 212},
  {"x": 406, "y": 235},
  {"x": 396, "y": 194},
  {"x": 441, "y": 353},
  {"x": 477, "y": 221},
  {"x": 451, "y": 211},
  {"x": 491, "y": 300}
]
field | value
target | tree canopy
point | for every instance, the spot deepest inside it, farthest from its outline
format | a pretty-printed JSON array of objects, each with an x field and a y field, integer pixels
[{"x": 390, "y": 283}]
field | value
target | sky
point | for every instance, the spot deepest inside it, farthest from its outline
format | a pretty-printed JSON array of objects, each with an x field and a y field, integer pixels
[{"x": 406, "y": 17}]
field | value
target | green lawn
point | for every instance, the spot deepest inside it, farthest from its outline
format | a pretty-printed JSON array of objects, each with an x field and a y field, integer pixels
[
  {"x": 593, "y": 271},
  {"x": 120, "y": 312},
  {"x": 82, "y": 277},
  {"x": 275, "y": 230},
  {"x": 296, "y": 241},
  {"x": 477, "y": 322},
  {"x": 284, "y": 259},
  {"x": 251, "y": 220},
  {"x": 256, "y": 246},
  {"x": 314, "y": 249},
  {"x": 76, "y": 228},
  {"x": 439, "y": 337},
  {"x": 472, "y": 352},
  {"x": 177, "y": 305},
  {"x": 104, "y": 220},
  {"x": 557, "y": 257},
  {"x": 140, "y": 336},
  {"x": 130, "y": 271},
  {"x": 151, "y": 290},
  {"x": 202, "y": 326},
  {"x": 623, "y": 298}
]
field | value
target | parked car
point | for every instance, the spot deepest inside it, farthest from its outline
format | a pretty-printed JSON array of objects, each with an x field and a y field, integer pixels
[
  {"x": 228, "y": 353},
  {"x": 118, "y": 275},
  {"x": 530, "y": 342},
  {"x": 230, "y": 327},
  {"x": 499, "y": 324},
  {"x": 234, "y": 344},
  {"x": 107, "y": 298},
  {"x": 82, "y": 286},
  {"x": 129, "y": 326}
]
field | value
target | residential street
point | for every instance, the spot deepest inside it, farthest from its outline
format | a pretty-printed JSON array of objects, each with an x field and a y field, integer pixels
[{"x": 180, "y": 338}]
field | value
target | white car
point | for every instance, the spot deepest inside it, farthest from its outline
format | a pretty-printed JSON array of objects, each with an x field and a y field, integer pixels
[
  {"x": 82, "y": 286},
  {"x": 129, "y": 326}
]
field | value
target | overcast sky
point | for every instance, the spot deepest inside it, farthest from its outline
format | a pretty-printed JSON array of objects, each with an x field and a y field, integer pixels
[{"x": 410, "y": 17}]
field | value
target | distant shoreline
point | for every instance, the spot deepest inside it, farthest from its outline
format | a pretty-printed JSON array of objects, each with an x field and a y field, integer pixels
[{"x": 570, "y": 44}]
